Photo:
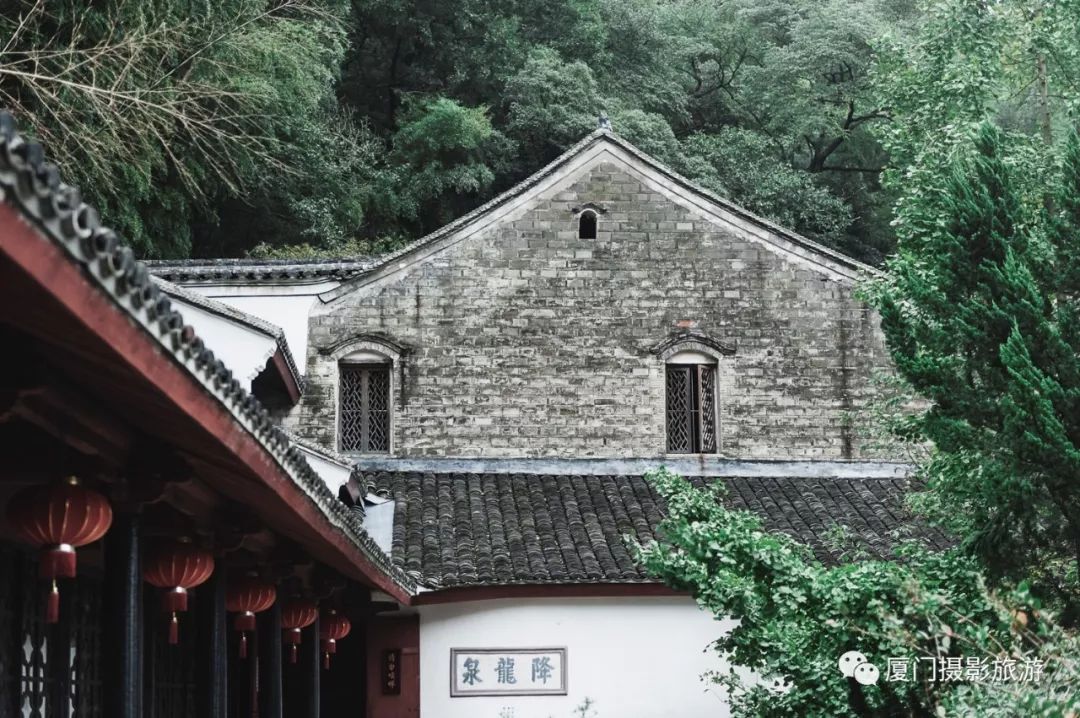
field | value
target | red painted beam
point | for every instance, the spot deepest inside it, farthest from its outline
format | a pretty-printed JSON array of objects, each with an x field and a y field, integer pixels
[
  {"x": 58, "y": 276},
  {"x": 561, "y": 590}
]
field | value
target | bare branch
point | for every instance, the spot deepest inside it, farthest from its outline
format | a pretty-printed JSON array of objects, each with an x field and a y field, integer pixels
[{"x": 116, "y": 104}]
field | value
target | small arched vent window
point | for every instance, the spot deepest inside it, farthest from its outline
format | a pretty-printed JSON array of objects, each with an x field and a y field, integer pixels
[{"x": 587, "y": 225}]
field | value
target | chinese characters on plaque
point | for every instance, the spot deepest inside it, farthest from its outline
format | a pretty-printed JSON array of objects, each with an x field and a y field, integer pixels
[
  {"x": 507, "y": 672},
  {"x": 391, "y": 672}
]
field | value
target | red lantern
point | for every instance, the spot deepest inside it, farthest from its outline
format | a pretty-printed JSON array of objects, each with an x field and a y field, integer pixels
[
  {"x": 177, "y": 566},
  {"x": 247, "y": 596},
  {"x": 296, "y": 615},
  {"x": 332, "y": 628},
  {"x": 58, "y": 519}
]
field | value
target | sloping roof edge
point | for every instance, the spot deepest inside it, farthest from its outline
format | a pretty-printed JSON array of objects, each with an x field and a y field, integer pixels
[
  {"x": 736, "y": 209},
  {"x": 233, "y": 314},
  {"x": 835, "y": 257},
  {"x": 56, "y": 210},
  {"x": 347, "y": 270},
  {"x": 328, "y": 454}
]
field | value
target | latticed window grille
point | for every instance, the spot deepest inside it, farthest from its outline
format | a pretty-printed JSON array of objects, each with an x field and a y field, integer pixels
[
  {"x": 365, "y": 407},
  {"x": 48, "y": 671},
  {"x": 691, "y": 409},
  {"x": 37, "y": 695}
]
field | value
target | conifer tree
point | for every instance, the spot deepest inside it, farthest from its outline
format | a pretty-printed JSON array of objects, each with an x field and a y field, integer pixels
[{"x": 980, "y": 312}]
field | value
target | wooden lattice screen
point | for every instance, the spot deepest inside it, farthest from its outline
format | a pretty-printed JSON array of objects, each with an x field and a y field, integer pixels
[
  {"x": 48, "y": 671},
  {"x": 691, "y": 409},
  {"x": 365, "y": 407}
]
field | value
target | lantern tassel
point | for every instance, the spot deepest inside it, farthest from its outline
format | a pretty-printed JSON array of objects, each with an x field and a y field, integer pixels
[
  {"x": 243, "y": 644},
  {"x": 174, "y": 630},
  {"x": 52, "y": 604},
  {"x": 326, "y": 661},
  {"x": 292, "y": 653}
]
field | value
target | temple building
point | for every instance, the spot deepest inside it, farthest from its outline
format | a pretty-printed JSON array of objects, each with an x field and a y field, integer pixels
[{"x": 409, "y": 484}]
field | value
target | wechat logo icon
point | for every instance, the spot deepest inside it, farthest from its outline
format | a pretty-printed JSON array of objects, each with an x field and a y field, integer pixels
[{"x": 853, "y": 664}]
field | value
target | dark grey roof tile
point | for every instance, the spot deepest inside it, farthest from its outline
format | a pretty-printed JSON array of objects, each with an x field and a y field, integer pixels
[
  {"x": 211, "y": 271},
  {"x": 35, "y": 189},
  {"x": 542, "y": 528}
]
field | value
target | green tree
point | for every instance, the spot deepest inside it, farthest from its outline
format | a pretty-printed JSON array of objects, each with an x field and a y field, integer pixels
[
  {"x": 171, "y": 114},
  {"x": 551, "y": 103},
  {"x": 797, "y": 617},
  {"x": 444, "y": 150},
  {"x": 979, "y": 309},
  {"x": 737, "y": 163},
  {"x": 979, "y": 304},
  {"x": 786, "y": 82},
  {"x": 212, "y": 128}
]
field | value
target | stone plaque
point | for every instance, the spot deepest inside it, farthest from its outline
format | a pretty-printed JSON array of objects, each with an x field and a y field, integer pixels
[{"x": 507, "y": 672}]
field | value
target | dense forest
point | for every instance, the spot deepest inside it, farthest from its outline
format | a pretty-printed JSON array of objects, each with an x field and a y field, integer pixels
[
  {"x": 210, "y": 128},
  {"x": 936, "y": 138},
  {"x": 301, "y": 126}
]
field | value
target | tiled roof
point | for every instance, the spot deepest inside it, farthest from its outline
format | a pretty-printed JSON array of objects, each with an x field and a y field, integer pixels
[
  {"x": 497, "y": 528},
  {"x": 317, "y": 448},
  {"x": 258, "y": 270},
  {"x": 232, "y": 313},
  {"x": 35, "y": 188}
]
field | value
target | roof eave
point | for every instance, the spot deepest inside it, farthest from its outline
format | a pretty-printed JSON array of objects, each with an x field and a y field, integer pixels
[{"x": 55, "y": 239}]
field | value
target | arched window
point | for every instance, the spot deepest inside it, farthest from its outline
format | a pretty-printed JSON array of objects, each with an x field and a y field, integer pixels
[
  {"x": 364, "y": 402},
  {"x": 587, "y": 225},
  {"x": 692, "y": 391},
  {"x": 690, "y": 383}
]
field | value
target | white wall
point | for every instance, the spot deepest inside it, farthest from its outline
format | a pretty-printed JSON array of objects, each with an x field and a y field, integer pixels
[
  {"x": 331, "y": 472},
  {"x": 635, "y": 657},
  {"x": 243, "y": 350},
  {"x": 379, "y": 521},
  {"x": 286, "y": 305}
]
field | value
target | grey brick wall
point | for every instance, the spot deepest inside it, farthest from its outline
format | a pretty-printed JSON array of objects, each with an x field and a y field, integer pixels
[{"x": 527, "y": 341}]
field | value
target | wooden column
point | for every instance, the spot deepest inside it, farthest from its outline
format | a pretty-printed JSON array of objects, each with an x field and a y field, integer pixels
[
  {"x": 123, "y": 637},
  {"x": 153, "y": 617},
  {"x": 270, "y": 662},
  {"x": 310, "y": 668},
  {"x": 212, "y": 647}
]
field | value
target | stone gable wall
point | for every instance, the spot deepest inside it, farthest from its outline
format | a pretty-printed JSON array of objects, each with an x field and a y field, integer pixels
[{"x": 526, "y": 341}]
